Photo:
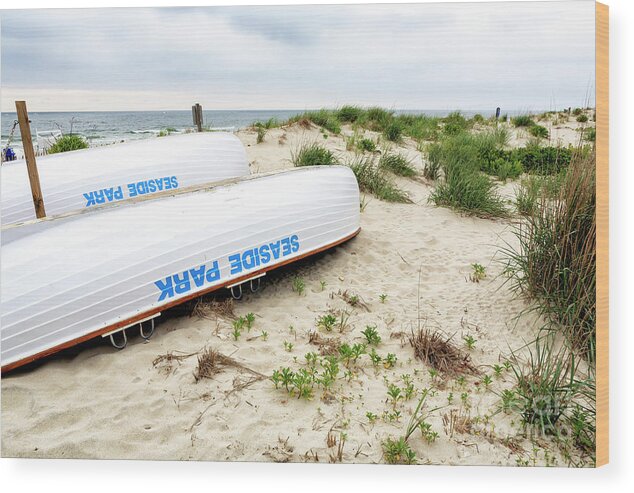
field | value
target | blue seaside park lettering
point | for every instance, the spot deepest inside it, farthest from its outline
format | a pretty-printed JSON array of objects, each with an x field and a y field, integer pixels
[
  {"x": 104, "y": 195},
  {"x": 262, "y": 255},
  {"x": 113, "y": 194},
  {"x": 183, "y": 281},
  {"x": 151, "y": 186},
  {"x": 203, "y": 275}
]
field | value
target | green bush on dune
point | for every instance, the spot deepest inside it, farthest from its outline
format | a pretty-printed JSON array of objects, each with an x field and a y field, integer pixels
[
  {"x": 68, "y": 143},
  {"x": 313, "y": 154},
  {"x": 373, "y": 180},
  {"x": 463, "y": 187}
]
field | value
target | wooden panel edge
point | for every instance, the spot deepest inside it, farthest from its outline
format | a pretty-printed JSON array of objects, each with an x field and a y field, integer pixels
[{"x": 602, "y": 160}]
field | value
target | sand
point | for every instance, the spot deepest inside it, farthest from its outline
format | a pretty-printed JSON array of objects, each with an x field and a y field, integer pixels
[{"x": 96, "y": 402}]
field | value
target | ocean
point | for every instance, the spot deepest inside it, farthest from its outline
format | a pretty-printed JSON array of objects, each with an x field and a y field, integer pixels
[{"x": 108, "y": 127}]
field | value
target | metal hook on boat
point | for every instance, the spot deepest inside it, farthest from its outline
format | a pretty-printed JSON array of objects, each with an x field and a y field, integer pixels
[
  {"x": 119, "y": 346},
  {"x": 254, "y": 289},
  {"x": 239, "y": 292},
  {"x": 149, "y": 334}
]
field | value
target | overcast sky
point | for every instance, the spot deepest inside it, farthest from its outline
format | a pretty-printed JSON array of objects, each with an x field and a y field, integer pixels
[{"x": 521, "y": 56}]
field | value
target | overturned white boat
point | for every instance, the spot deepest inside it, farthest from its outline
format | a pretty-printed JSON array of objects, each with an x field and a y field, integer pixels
[
  {"x": 91, "y": 177},
  {"x": 69, "y": 278}
]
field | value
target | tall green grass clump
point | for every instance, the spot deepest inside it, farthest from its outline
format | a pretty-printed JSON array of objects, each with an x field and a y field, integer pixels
[
  {"x": 68, "y": 143},
  {"x": 350, "y": 114},
  {"x": 323, "y": 118},
  {"x": 393, "y": 131},
  {"x": 373, "y": 180},
  {"x": 522, "y": 121},
  {"x": 397, "y": 164},
  {"x": 313, "y": 154},
  {"x": 463, "y": 187},
  {"x": 455, "y": 123},
  {"x": 538, "y": 131},
  {"x": 554, "y": 263}
]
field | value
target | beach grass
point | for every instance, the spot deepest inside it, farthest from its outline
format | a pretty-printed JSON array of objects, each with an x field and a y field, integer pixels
[
  {"x": 68, "y": 143},
  {"x": 313, "y": 154},
  {"x": 373, "y": 180},
  {"x": 397, "y": 164},
  {"x": 555, "y": 262}
]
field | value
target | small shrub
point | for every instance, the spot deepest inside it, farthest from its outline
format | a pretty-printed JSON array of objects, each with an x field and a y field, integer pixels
[
  {"x": 367, "y": 145},
  {"x": 349, "y": 114},
  {"x": 372, "y": 180},
  {"x": 393, "y": 132},
  {"x": 68, "y": 143},
  {"x": 325, "y": 119},
  {"x": 313, "y": 155},
  {"x": 577, "y": 111},
  {"x": 261, "y": 134},
  {"x": 538, "y": 131},
  {"x": 522, "y": 121},
  {"x": 398, "y": 451},
  {"x": 590, "y": 134},
  {"x": 397, "y": 164},
  {"x": 582, "y": 118}
]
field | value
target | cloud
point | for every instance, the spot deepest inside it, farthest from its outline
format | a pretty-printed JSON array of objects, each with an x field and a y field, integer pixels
[{"x": 428, "y": 56}]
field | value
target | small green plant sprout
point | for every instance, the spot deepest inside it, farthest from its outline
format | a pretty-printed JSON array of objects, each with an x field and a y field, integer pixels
[
  {"x": 487, "y": 380},
  {"x": 398, "y": 452},
  {"x": 409, "y": 389},
  {"x": 350, "y": 354},
  {"x": 433, "y": 373},
  {"x": 418, "y": 421},
  {"x": 238, "y": 325},
  {"x": 286, "y": 378},
  {"x": 303, "y": 381},
  {"x": 497, "y": 370},
  {"x": 327, "y": 322},
  {"x": 342, "y": 320},
  {"x": 371, "y": 417},
  {"x": 288, "y": 346},
  {"x": 478, "y": 273},
  {"x": 264, "y": 335},
  {"x": 450, "y": 398},
  {"x": 311, "y": 359},
  {"x": 508, "y": 400},
  {"x": 375, "y": 358},
  {"x": 299, "y": 286},
  {"x": 389, "y": 361},
  {"x": 469, "y": 341},
  {"x": 394, "y": 393},
  {"x": 249, "y": 319},
  {"x": 461, "y": 380},
  {"x": 276, "y": 378},
  {"x": 383, "y": 297},
  {"x": 465, "y": 401},
  {"x": 330, "y": 367},
  {"x": 322, "y": 285},
  {"x": 371, "y": 335}
]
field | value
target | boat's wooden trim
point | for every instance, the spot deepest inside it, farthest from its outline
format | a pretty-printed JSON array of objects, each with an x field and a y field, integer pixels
[{"x": 149, "y": 313}]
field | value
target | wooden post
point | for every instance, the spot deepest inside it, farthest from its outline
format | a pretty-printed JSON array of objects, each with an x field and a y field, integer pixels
[
  {"x": 197, "y": 115},
  {"x": 29, "y": 155}
]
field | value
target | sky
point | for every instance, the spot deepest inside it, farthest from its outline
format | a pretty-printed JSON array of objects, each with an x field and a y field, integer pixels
[{"x": 441, "y": 56}]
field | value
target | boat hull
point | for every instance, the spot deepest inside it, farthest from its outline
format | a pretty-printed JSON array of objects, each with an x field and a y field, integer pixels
[
  {"x": 68, "y": 279},
  {"x": 91, "y": 177}
]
